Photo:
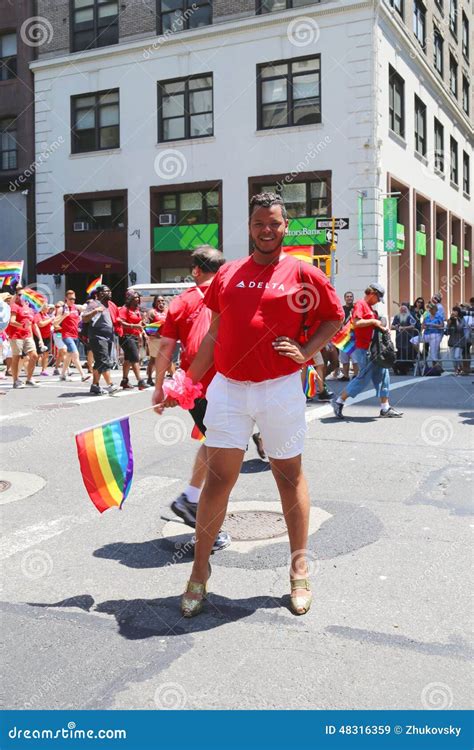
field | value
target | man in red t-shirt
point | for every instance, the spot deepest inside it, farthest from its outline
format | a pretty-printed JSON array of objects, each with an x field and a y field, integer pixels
[
  {"x": 365, "y": 321},
  {"x": 187, "y": 321},
  {"x": 20, "y": 331},
  {"x": 68, "y": 324},
  {"x": 262, "y": 307},
  {"x": 130, "y": 318}
]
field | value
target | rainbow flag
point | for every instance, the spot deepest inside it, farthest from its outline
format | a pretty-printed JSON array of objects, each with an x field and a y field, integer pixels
[
  {"x": 35, "y": 299},
  {"x": 10, "y": 271},
  {"x": 196, "y": 434},
  {"x": 345, "y": 339},
  {"x": 151, "y": 329},
  {"x": 106, "y": 460},
  {"x": 310, "y": 383},
  {"x": 303, "y": 252},
  {"x": 94, "y": 284}
]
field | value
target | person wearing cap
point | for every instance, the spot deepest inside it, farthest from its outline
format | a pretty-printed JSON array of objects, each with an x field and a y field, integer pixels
[{"x": 365, "y": 321}]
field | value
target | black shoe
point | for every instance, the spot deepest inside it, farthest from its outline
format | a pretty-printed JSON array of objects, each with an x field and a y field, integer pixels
[
  {"x": 390, "y": 413},
  {"x": 96, "y": 390},
  {"x": 223, "y": 539},
  {"x": 142, "y": 385},
  {"x": 256, "y": 437},
  {"x": 150, "y": 382},
  {"x": 185, "y": 510},
  {"x": 125, "y": 385},
  {"x": 325, "y": 395},
  {"x": 337, "y": 408}
]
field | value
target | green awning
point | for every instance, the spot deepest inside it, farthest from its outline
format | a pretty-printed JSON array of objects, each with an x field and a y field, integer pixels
[
  {"x": 454, "y": 254},
  {"x": 467, "y": 258},
  {"x": 420, "y": 243},
  {"x": 439, "y": 250},
  {"x": 400, "y": 236}
]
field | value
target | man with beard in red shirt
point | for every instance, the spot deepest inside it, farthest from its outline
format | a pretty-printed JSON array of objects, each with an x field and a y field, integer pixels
[{"x": 262, "y": 307}]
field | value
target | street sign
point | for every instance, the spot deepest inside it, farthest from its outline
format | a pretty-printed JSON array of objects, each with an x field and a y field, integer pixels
[
  {"x": 327, "y": 223},
  {"x": 329, "y": 237}
]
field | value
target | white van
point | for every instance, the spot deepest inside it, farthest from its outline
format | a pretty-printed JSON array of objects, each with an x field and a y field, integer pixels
[{"x": 167, "y": 290}]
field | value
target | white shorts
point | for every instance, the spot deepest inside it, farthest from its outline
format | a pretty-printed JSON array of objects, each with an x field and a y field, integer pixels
[
  {"x": 59, "y": 341},
  {"x": 277, "y": 407},
  {"x": 318, "y": 359}
]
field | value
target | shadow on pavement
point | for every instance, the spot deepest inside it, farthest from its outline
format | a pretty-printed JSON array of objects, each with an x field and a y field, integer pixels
[
  {"x": 254, "y": 466},
  {"x": 346, "y": 418},
  {"x": 155, "y": 553},
  {"x": 468, "y": 417}
]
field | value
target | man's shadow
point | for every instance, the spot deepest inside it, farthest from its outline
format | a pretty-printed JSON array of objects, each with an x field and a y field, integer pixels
[{"x": 155, "y": 553}]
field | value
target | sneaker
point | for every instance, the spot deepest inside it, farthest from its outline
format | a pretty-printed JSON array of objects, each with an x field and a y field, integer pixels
[
  {"x": 223, "y": 539},
  {"x": 125, "y": 385},
  {"x": 65, "y": 377},
  {"x": 150, "y": 382},
  {"x": 32, "y": 383},
  {"x": 390, "y": 413},
  {"x": 111, "y": 389},
  {"x": 325, "y": 395},
  {"x": 343, "y": 379},
  {"x": 337, "y": 408},
  {"x": 185, "y": 510},
  {"x": 18, "y": 384},
  {"x": 56, "y": 371},
  {"x": 96, "y": 390},
  {"x": 142, "y": 385},
  {"x": 44, "y": 374},
  {"x": 86, "y": 377}
]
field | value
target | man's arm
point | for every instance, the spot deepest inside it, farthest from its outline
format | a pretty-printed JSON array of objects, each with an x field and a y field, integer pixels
[
  {"x": 204, "y": 359},
  {"x": 13, "y": 322},
  {"x": 367, "y": 322},
  {"x": 302, "y": 353},
  {"x": 162, "y": 364},
  {"x": 89, "y": 314}
]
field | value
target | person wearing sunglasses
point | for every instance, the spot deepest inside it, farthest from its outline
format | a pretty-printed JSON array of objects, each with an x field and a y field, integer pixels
[{"x": 20, "y": 331}]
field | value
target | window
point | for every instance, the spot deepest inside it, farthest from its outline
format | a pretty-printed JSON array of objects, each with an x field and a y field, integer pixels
[
  {"x": 269, "y": 6},
  {"x": 453, "y": 76},
  {"x": 439, "y": 146},
  {"x": 465, "y": 94},
  {"x": 420, "y": 126},
  {"x": 8, "y": 144},
  {"x": 108, "y": 213},
  {"x": 302, "y": 198},
  {"x": 396, "y": 103},
  {"x": 438, "y": 52},
  {"x": 199, "y": 207},
  {"x": 419, "y": 23},
  {"x": 185, "y": 108},
  {"x": 398, "y": 6},
  {"x": 453, "y": 17},
  {"x": 465, "y": 36},
  {"x": 179, "y": 15},
  {"x": 289, "y": 93},
  {"x": 95, "y": 121},
  {"x": 7, "y": 57},
  {"x": 453, "y": 149},
  {"x": 94, "y": 23},
  {"x": 466, "y": 180}
]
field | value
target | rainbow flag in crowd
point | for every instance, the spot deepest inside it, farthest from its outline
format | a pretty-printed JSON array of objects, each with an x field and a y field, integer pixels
[
  {"x": 151, "y": 329},
  {"x": 10, "y": 272},
  {"x": 35, "y": 299},
  {"x": 303, "y": 252},
  {"x": 310, "y": 383},
  {"x": 94, "y": 284},
  {"x": 106, "y": 460},
  {"x": 345, "y": 339},
  {"x": 196, "y": 434}
]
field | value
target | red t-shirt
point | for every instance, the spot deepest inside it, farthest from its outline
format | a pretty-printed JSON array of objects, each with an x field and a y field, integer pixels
[
  {"x": 155, "y": 316},
  {"x": 363, "y": 311},
  {"x": 183, "y": 312},
  {"x": 259, "y": 303},
  {"x": 45, "y": 330},
  {"x": 24, "y": 315},
  {"x": 130, "y": 316},
  {"x": 70, "y": 325}
]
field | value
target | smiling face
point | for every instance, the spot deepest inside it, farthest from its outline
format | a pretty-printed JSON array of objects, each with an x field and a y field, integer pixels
[{"x": 267, "y": 228}]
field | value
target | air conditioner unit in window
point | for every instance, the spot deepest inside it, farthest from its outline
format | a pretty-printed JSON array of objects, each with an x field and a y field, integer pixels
[
  {"x": 80, "y": 226},
  {"x": 422, "y": 228},
  {"x": 167, "y": 219}
]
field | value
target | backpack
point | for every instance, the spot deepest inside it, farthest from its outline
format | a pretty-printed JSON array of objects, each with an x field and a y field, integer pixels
[{"x": 382, "y": 350}]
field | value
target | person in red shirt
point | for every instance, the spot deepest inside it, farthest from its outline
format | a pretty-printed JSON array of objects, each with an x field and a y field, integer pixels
[
  {"x": 20, "y": 331},
  {"x": 157, "y": 314},
  {"x": 68, "y": 324},
  {"x": 262, "y": 307},
  {"x": 130, "y": 318},
  {"x": 44, "y": 320},
  {"x": 365, "y": 321}
]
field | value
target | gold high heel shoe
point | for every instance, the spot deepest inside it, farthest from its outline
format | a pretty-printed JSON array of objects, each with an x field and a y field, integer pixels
[
  {"x": 190, "y": 607},
  {"x": 300, "y": 605}
]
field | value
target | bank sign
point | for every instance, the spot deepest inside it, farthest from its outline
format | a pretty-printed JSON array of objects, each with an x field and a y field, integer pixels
[{"x": 303, "y": 231}]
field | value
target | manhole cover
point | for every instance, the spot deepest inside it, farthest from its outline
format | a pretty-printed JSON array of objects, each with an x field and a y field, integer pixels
[
  {"x": 52, "y": 407},
  {"x": 4, "y": 485},
  {"x": 255, "y": 525}
]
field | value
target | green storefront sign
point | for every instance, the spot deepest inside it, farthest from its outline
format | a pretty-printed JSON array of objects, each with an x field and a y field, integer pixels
[
  {"x": 454, "y": 254},
  {"x": 467, "y": 259},
  {"x": 400, "y": 237},
  {"x": 439, "y": 250},
  {"x": 390, "y": 225},
  {"x": 302, "y": 231},
  {"x": 185, "y": 237},
  {"x": 420, "y": 243}
]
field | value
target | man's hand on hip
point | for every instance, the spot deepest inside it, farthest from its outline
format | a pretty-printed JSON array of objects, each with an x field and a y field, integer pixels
[{"x": 287, "y": 347}]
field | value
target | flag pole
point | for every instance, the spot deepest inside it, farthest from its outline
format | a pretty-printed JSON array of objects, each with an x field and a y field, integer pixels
[{"x": 117, "y": 419}]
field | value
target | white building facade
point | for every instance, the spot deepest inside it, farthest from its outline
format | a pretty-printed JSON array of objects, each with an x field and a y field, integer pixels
[{"x": 167, "y": 135}]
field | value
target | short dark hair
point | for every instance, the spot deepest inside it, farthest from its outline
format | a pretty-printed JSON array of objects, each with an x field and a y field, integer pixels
[
  {"x": 267, "y": 200},
  {"x": 207, "y": 259}
]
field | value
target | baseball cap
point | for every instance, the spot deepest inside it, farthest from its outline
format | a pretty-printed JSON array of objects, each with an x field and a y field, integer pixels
[{"x": 377, "y": 288}]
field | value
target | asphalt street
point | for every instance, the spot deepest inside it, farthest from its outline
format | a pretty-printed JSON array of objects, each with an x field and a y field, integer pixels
[{"x": 90, "y": 603}]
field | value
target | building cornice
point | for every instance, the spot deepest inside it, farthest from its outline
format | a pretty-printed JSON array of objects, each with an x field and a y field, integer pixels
[
  {"x": 239, "y": 26},
  {"x": 402, "y": 33}
]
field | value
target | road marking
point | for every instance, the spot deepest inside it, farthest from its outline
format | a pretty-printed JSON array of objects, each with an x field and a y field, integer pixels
[
  {"x": 21, "y": 540},
  {"x": 15, "y": 415}
]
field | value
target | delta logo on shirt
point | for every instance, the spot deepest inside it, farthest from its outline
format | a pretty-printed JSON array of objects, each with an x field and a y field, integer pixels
[{"x": 260, "y": 285}]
